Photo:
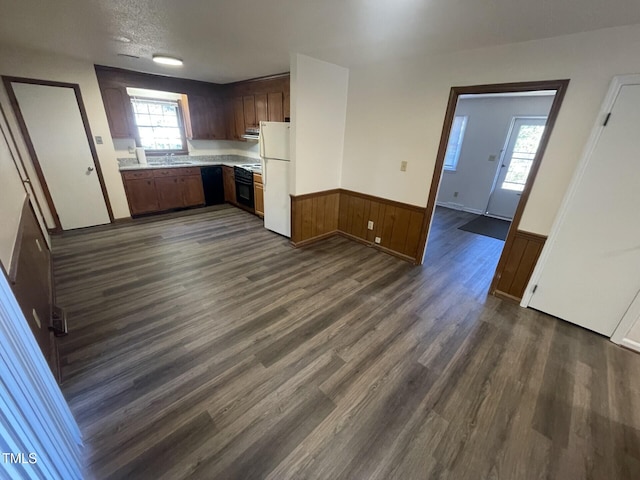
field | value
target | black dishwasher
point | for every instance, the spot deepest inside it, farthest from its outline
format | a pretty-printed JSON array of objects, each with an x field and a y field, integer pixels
[{"x": 212, "y": 184}]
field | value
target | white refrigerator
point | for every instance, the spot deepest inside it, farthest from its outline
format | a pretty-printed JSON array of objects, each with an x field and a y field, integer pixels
[{"x": 274, "y": 150}]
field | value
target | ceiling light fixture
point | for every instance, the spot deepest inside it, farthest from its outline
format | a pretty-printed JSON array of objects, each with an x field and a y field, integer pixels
[
  {"x": 121, "y": 39},
  {"x": 165, "y": 60}
]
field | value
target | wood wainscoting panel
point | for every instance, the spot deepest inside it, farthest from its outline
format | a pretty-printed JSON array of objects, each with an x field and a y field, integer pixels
[
  {"x": 31, "y": 282},
  {"x": 397, "y": 224},
  {"x": 520, "y": 260},
  {"x": 322, "y": 214},
  {"x": 314, "y": 216}
]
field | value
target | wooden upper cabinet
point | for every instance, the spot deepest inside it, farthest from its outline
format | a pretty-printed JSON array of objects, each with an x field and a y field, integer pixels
[
  {"x": 119, "y": 111},
  {"x": 238, "y": 115},
  {"x": 199, "y": 115},
  {"x": 249, "y": 107},
  {"x": 262, "y": 114},
  {"x": 206, "y": 118},
  {"x": 274, "y": 102},
  {"x": 216, "y": 117}
]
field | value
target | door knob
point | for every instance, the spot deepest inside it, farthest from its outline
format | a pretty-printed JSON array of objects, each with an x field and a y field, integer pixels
[{"x": 89, "y": 169}]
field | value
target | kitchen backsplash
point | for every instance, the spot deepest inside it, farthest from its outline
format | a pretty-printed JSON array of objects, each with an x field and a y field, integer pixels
[
  {"x": 229, "y": 158},
  {"x": 197, "y": 148}
]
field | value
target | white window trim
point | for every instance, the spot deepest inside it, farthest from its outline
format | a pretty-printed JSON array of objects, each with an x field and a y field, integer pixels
[{"x": 454, "y": 167}]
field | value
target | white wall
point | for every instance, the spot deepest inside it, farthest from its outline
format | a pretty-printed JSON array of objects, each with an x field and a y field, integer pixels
[
  {"x": 12, "y": 195},
  {"x": 488, "y": 123},
  {"x": 318, "y": 110},
  {"x": 396, "y": 110},
  {"x": 26, "y": 63}
]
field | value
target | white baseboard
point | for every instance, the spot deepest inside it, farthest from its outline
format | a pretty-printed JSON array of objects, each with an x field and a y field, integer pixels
[
  {"x": 459, "y": 206},
  {"x": 630, "y": 344}
]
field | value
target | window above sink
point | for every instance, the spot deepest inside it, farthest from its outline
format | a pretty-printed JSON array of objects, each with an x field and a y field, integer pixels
[{"x": 158, "y": 119}]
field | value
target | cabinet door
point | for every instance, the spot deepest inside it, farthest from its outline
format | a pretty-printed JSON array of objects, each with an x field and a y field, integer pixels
[
  {"x": 274, "y": 102},
  {"x": 258, "y": 198},
  {"x": 199, "y": 113},
  {"x": 216, "y": 117},
  {"x": 169, "y": 193},
  {"x": 249, "y": 106},
  {"x": 238, "y": 114},
  {"x": 229, "y": 118},
  {"x": 229, "y": 180},
  {"x": 142, "y": 195},
  {"x": 119, "y": 112},
  {"x": 192, "y": 191},
  {"x": 261, "y": 108}
]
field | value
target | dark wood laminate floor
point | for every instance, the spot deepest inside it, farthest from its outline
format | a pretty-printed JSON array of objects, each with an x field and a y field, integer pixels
[{"x": 203, "y": 346}]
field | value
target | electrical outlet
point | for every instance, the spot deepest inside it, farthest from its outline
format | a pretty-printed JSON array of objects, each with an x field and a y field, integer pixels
[
  {"x": 132, "y": 149},
  {"x": 403, "y": 166},
  {"x": 492, "y": 158},
  {"x": 378, "y": 240},
  {"x": 455, "y": 194},
  {"x": 370, "y": 225},
  {"x": 98, "y": 139}
]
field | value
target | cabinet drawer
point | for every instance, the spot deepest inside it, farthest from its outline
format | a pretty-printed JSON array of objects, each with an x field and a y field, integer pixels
[
  {"x": 257, "y": 178},
  {"x": 174, "y": 172},
  {"x": 135, "y": 174},
  {"x": 166, "y": 172},
  {"x": 190, "y": 171}
]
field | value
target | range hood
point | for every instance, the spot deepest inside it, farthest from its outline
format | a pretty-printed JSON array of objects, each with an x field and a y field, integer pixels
[{"x": 252, "y": 133}]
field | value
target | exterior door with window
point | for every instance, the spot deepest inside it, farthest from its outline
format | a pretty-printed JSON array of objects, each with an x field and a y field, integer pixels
[{"x": 517, "y": 158}]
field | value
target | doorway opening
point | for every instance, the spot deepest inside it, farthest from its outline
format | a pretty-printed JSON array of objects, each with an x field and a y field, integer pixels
[
  {"x": 54, "y": 124},
  {"x": 494, "y": 137}
]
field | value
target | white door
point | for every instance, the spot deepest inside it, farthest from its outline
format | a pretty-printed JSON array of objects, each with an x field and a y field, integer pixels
[
  {"x": 56, "y": 130},
  {"x": 591, "y": 272},
  {"x": 521, "y": 146}
]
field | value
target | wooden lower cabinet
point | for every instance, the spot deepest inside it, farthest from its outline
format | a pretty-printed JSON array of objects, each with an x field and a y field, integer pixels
[
  {"x": 229, "y": 182},
  {"x": 258, "y": 194},
  {"x": 150, "y": 191},
  {"x": 142, "y": 195},
  {"x": 169, "y": 193},
  {"x": 192, "y": 191}
]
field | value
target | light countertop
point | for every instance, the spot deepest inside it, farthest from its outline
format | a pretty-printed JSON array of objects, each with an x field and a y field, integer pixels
[{"x": 181, "y": 161}]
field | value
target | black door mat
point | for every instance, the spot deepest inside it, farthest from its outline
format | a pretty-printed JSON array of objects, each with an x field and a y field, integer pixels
[{"x": 487, "y": 226}]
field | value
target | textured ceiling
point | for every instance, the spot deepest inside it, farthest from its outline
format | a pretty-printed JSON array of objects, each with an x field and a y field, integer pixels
[{"x": 227, "y": 40}]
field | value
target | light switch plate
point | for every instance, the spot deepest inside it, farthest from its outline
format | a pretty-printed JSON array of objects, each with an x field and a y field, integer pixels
[
  {"x": 98, "y": 139},
  {"x": 370, "y": 225},
  {"x": 403, "y": 166}
]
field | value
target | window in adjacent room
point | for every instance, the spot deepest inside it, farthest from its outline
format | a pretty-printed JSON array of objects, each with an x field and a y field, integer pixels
[
  {"x": 455, "y": 142},
  {"x": 160, "y": 126}
]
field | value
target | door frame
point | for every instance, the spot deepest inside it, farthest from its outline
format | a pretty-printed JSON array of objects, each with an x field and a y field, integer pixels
[
  {"x": 560, "y": 87},
  {"x": 503, "y": 153},
  {"x": 607, "y": 105},
  {"x": 8, "y": 80}
]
